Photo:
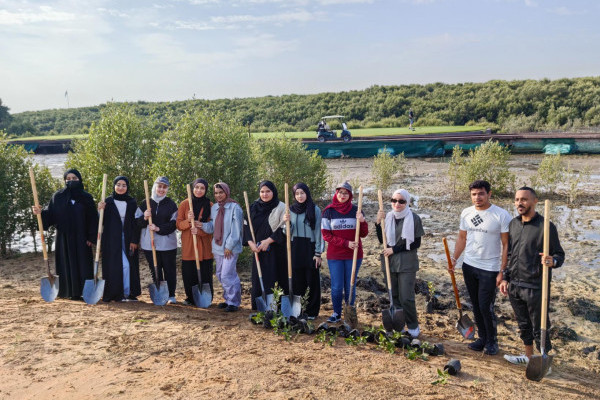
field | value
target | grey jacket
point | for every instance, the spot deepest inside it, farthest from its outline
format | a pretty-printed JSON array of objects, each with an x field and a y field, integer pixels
[
  {"x": 301, "y": 228},
  {"x": 232, "y": 228}
]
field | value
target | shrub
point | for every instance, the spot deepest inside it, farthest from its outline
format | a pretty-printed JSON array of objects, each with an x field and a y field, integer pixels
[
  {"x": 386, "y": 167},
  {"x": 207, "y": 145},
  {"x": 550, "y": 173},
  {"x": 489, "y": 162},
  {"x": 119, "y": 144},
  {"x": 573, "y": 180},
  {"x": 284, "y": 160}
]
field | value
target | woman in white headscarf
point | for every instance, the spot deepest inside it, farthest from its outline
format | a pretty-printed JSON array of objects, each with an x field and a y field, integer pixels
[{"x": 403, "y": 230}]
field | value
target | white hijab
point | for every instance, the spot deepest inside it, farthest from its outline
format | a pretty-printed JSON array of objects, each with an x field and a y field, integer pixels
[
  {"x": 408, "y": 227},
  {"x": 155, "y": 196}
]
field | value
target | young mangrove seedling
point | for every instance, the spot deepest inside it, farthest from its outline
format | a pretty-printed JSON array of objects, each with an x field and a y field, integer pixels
[{"x": 442, "y": 377}]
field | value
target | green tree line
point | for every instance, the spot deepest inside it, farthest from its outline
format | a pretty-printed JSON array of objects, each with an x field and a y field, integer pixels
[{"x": 504, "y": 106}]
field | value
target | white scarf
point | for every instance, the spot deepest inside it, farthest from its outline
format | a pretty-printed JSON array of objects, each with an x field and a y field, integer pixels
[
  {"x": 408, "y": 227},
  {"x": 156, "y": 197}
]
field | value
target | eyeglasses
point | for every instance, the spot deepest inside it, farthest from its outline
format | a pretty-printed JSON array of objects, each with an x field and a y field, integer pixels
[{"x": 402, "y": 201}]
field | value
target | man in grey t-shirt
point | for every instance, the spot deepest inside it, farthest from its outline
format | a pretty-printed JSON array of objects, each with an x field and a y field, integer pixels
[{"x": 483, "y": 236}]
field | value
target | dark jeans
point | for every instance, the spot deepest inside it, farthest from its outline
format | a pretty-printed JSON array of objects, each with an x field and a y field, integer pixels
[
  {"x": 481, "y": 286},
  {"x": 189, "y": 274},
  {"x": 403, "y": 293},
  {"x": 166, "y": 267},
  {"x": 527, "y": 305}
]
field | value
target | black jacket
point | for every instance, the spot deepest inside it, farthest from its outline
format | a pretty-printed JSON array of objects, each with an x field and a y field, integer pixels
[{"x": 525, "y": 243}]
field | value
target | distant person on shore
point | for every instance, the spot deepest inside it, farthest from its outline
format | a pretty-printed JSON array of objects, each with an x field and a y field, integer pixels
[
  {"x": 522, "y": 280},
  {"x": 120, "y": 238},
  {"x": 483, "y": 236},
  {"x": 73, "y": 211},
  {"x": 411, "y": 119},
  {"x": 404, "y": 230}
]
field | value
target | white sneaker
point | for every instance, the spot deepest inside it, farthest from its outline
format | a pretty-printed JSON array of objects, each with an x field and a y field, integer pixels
[
  {"x": 549, "y": 371},
  {"x": 414, "y": 332},
  {"x": 172, "y": 300},
  {"x": 517, "y": 360}
]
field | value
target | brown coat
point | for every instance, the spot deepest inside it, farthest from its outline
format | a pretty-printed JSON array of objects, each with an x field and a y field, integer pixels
[{"x": 204, "y": 240}]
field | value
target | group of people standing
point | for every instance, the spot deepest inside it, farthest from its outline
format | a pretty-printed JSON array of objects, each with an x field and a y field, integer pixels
[{"x": 499, "y": 251}]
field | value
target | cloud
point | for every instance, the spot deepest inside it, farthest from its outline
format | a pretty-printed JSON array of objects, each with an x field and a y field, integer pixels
[
  {"x": 563, "y": 11},
  {"x": 32, "y": 16}
]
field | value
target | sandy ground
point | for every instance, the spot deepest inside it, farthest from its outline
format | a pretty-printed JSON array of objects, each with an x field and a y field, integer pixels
[{"x": 71, "y": 350}]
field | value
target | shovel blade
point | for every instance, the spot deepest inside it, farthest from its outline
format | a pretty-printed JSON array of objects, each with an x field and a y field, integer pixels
[
  {"x": 49, "y": 288},
  {"x": 387, "y": 319},
  {"x": 291, "y": 307},
  {"x": 202, "y": 298},
  {"x": 538, "y": 367},
  {"x": 350, "y": 316},
  {"x": 398, "y": 320},
  {"x": 160, "y": 294},
  {"x": 93, "y": 290},
  {"x": 263, "y": 305},
  {"x": 466, "y": 327}
]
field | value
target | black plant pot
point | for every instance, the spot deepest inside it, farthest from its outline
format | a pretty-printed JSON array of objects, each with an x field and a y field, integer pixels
[
  {"x": 369, "y": 335},
  {"x": 415, "y": 343},
  {"x": 436, "y": 350},
  {"x": 323, "y": 326},
  {"x": 453, "y": 366}
]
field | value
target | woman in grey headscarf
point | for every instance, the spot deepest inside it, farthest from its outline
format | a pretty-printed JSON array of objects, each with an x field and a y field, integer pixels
[{"x": 403, "y": 230}]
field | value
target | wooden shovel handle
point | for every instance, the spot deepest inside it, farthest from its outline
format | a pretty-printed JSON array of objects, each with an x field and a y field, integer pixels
[
  {"x": 101, "y": 221},
  {"x": 356, "y": 237},
  {"x": 258, "y": 269},
  {"x": 150, "y": 222},
  {"x": 386, "y": 258},
  {"x": 545, "y": 273},
  {"x": 288, "y": 231},
  {"x": 451, "y": 272},
  {"x": 194, "y": 239},
  {"x": 39, "y": 216}
]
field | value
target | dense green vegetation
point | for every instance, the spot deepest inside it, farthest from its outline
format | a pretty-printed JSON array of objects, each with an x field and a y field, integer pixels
[{"x": 507, "y": 106}]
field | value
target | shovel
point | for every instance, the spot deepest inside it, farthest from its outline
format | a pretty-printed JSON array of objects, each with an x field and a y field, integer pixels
[
  {"x": 350, "y": 316},
  {"x": 539, "y": 365},
  {"x": 464, "y": 325},
  {"x": 290, "y": 305},
  {"x": 264, "y": 302},
  {"x": 49, "y": 285},
  {"x": 202, "y": 298},
  {"x": 93, "y": 289},
  {"x": 393, "y": 320},
  {"x": 159, "y": 292}
]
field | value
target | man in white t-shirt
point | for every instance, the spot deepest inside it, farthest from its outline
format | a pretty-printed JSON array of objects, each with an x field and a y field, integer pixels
[{"x": 483, "y": 236}]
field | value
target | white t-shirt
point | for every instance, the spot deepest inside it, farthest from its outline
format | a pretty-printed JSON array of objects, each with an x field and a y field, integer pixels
[{"x": 484, "y": 247}]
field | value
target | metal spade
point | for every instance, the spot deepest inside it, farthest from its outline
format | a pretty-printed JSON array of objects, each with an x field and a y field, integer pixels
[
  {"x": 539, "y": 365},
  {"x": 159, "y": 292},
  {"x": 291, "y": 305},
  {"x": 464, "y": 325},
  {"x": 201, "y": 292},
  {"x": 264, "y": 302},
  {"x": 393, "y": 319},
  {"x": 49, "y": 284},
  {"x": 93, "y": 289}
]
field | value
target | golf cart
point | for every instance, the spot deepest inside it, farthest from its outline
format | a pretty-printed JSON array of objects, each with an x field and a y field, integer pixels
[{"x": 325, "y": 133}]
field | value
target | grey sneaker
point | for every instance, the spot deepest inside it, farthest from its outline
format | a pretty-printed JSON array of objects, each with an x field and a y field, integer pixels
[{"x": 172, "y": 300}]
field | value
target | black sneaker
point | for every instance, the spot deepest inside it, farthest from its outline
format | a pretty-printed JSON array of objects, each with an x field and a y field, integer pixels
[
  {"x": 222, "y": 305},
  {"x": 491, "y": 349},
  {"x": 477, "y": 345},
  {"x": 231, "y": 308}
]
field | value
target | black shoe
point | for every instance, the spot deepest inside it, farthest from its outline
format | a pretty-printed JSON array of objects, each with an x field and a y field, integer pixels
[
  {"x": 477, "y": 345},
  {"x": 491, "y": 349},
  {"x": 222, "y": 305},
  {"x": 231, "y": 308}
]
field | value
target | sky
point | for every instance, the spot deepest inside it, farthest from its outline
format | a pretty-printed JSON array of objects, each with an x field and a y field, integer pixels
[{"x": 74, "y": 53}]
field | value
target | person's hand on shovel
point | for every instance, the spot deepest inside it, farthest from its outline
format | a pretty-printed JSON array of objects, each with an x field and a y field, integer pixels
[
  {"x": 101, "y": 205},
  {"x": 380, "y": 216},
  {"x": 37, "y": 210},
  {"x": 252, "y": 246},
  {"x": 147, "y": 214},
  {"x": 153, "y": 227},
  {"x": 548, "y": 261}
]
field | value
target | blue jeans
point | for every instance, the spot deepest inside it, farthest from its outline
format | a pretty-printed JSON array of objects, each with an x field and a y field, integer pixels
[{"x": 340, "y": 272}]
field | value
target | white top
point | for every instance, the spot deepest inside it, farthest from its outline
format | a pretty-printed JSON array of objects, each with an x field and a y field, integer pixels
[
  {"x": 121, "y": 208},
  {"x": 484, "y": 247}
]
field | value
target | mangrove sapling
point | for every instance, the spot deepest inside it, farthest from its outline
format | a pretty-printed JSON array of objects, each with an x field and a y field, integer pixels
[
  {"x": 321, "y": 336},
  {"x": 386, "y": 344},
  {"x": 304, "y": 301},
  {"x": 353, "y": 340},
  {"x": 258, "y": 318},
  {"x": 442, "y": 377},
  {"x": 415, "y": 354}
]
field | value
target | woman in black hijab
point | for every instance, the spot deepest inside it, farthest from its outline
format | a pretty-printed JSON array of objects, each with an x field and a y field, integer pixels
[
  {"x": 267, "y": 220},
  {"x": 73, "y": 212},
  {"x": 120, "y": 238}
]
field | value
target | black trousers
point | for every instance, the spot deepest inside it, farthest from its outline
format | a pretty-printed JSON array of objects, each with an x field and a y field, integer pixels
[
  {"x": 481, "y": 286},
  {"x": 308, "y": 278},
  {"x": 166, "y": 267},
  {"x": 190, "y": 276},
  {"x": 527, "y": 305}
]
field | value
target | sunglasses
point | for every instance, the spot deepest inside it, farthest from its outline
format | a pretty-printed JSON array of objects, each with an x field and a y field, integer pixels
[{"x": 402, "y": 201}]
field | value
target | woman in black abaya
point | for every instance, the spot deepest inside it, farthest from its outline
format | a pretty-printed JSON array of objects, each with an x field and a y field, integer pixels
[
  {"x": 120, "y": 238},
  {"x": 73, "y": 212}
]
